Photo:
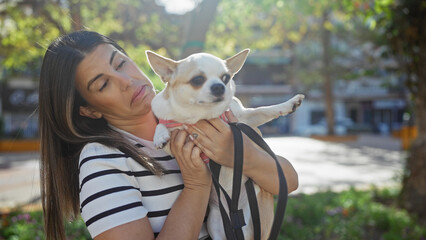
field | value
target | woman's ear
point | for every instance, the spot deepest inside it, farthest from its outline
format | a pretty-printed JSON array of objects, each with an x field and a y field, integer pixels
[{"x": 90, "y": 112}]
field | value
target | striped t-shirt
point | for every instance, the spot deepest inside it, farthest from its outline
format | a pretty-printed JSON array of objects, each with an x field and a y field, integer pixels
[{"x": 115, "y": 189}]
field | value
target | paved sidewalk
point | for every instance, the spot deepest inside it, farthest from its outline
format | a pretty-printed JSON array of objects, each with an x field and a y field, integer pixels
[
  {"x": 324, "y": 165},
  {"x": 320, "y": 165},
  {"x": 19, "y": 178}
]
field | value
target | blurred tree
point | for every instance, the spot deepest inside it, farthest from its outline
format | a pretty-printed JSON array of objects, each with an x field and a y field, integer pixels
[
  {"x": 27, "y": 28},
  {"x": 197, "y": 26},
  {"x": 24, "y": 27},
  {"x": 402, "y": 27},
  {"x": 404, "y": 23},
  {"x": 310, "y": 33}
]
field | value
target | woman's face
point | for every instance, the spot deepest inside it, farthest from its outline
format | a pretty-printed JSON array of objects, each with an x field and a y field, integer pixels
[{"x": 114, "y": 87}]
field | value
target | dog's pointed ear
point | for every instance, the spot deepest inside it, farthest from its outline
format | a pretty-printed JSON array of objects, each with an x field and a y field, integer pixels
[
  {"x": 236, "y": 62},
  {"x": 162, "y": 66}
]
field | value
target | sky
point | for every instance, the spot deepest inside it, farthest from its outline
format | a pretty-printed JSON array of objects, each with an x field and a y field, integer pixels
[{"x": 178, "y": 6}]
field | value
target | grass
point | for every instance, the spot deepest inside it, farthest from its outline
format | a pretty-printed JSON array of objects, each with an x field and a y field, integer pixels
[
  {"x": 348, "y": 215},
  {"x": 20, "y": 225}
]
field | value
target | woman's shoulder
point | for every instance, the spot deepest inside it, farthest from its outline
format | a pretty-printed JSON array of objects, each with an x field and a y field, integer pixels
[
  {"x": 95, "y": 148},
  {"x": 94, "y": 152}
]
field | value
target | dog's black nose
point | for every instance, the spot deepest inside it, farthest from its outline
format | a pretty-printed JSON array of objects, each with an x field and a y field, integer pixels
[{"x": 217, "y": 89}]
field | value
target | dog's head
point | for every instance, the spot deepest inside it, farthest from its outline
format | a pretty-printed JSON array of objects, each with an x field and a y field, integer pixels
[{"x": 198, "y": 80}]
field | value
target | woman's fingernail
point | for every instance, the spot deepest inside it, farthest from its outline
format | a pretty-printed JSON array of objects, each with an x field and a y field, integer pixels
[{"x": 191, "y": 137}]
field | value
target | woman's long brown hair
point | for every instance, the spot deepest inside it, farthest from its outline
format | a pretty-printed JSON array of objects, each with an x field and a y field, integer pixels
[{"x": 63, "y": 132}]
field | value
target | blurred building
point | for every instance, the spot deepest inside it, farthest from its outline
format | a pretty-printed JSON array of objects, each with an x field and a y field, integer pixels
[
  {"x": 18, "y": 116},
  {"x": 365, "y": 104}
]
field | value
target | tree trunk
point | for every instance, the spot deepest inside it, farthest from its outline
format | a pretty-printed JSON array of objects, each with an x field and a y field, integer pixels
[
  {"x": 328, "y": 82},
  {"x": 75, "y": 7},
  {"x": 197, "y": 26},
  {"x": 413, "y": 193}
]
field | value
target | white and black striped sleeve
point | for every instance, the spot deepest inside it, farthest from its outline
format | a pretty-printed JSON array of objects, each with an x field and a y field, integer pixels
[{"x": 109, "y": 193}]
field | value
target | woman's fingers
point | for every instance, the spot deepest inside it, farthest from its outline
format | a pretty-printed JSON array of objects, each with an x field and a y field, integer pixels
[
  {"x": 215, "y": 139},
  {"x": 186, "y": 151},
  {"x": 195, "y": 155},
  {"x": 198, "y": 135},
  {"x": 218, "y": 124},
  {"x": 172, "y": 141},
  {"x": 212, "y": 146},
  {"x": 178, "y": 139},
  {"x": 230, "y": 116},
  {"x": 195, "y": 173},
  {"x": 198, "y": 140}
]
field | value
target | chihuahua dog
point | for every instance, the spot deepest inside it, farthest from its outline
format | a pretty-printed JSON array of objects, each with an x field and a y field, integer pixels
[{"x": 201, "y": 87}]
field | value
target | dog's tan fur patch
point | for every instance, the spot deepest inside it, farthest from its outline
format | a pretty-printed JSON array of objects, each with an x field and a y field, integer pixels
[{"x": 184, "y": 73}]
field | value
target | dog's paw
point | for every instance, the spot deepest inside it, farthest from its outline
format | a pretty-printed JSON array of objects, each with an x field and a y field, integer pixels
[
  {"x": 291, "y": 105},
  {"x": 161, "y": 136},
  {"x": 160, "y": 143},
  {"x": 296, "y": 101}
]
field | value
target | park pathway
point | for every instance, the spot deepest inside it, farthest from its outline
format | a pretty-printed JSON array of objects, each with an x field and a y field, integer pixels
[{"x": 321, "y": 166}]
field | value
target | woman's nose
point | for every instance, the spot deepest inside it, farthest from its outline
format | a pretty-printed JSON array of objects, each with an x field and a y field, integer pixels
[{"x": 125, "y": 81}]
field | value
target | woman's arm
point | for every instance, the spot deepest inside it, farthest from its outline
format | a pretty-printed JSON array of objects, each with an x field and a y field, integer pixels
[
  {"x": 187, "y": 214},
  {"x": 183, "y": 222},
  {"x": 261, "y": 167},
  {"x": 185, "y": 218},
  {"x": 216, "y": 140}
]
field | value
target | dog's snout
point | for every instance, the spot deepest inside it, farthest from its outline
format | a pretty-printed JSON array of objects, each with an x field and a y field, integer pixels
[{"x": 217, "y": 89}]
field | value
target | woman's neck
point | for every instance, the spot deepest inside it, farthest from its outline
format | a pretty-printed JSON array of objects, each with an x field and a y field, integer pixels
[{"x": 143, "y": 127}]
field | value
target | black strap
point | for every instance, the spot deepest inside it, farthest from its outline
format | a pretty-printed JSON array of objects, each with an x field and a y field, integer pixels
[
  {"x": 233, "y": 224},
  {"x": 283, "y": 191},
  {"x": 229, "y": 232},
  {"x": 254, "y": 208},
  {"x": 236, "y": 214}
]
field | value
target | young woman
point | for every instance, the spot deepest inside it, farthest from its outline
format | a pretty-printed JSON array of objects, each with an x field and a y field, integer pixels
[{"x": 97, "y": 155}]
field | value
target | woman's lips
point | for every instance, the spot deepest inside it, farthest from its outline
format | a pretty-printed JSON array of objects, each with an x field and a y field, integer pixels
[{"x": 140, "y": 91}]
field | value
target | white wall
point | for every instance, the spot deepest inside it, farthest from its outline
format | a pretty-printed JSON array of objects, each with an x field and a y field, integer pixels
[{"x": 301, "y": 119}]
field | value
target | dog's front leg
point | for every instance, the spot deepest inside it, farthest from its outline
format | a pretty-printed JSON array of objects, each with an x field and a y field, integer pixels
[
  {"x": 161, "y": 136},
  {"x": 255, "y": 117}
]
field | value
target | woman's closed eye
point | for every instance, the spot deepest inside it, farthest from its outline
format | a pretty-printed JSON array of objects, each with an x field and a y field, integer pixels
[
  {"x": 121, "y": 64},
  {"x": 104, "y": 84}
]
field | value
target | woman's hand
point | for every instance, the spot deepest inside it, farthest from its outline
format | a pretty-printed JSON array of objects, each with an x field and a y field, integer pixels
[
  {"x": 195, "y": 173},
  {"x": 184, "y": 221},
  {"x": 214, "y": 138}
]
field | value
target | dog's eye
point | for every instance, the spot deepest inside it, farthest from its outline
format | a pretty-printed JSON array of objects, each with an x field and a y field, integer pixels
[
  {"x": 225, "y": 78},
  {"x": 197, "y": 81}
]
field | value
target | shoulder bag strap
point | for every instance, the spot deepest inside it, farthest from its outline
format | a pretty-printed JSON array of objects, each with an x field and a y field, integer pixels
[{"x": 283, "y": 191}]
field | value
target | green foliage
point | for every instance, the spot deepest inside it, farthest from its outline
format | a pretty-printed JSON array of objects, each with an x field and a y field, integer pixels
[
  {"x": 290, "y": 27},
  {"x": 293, "y": 30},
  {"x": 20, "y": 225},
  {"x": 346, "y": 215},
  {"x": 27, "y": 29},
  {"x": 350, "y": 214},
  {"x": 22, "y": 39}
]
